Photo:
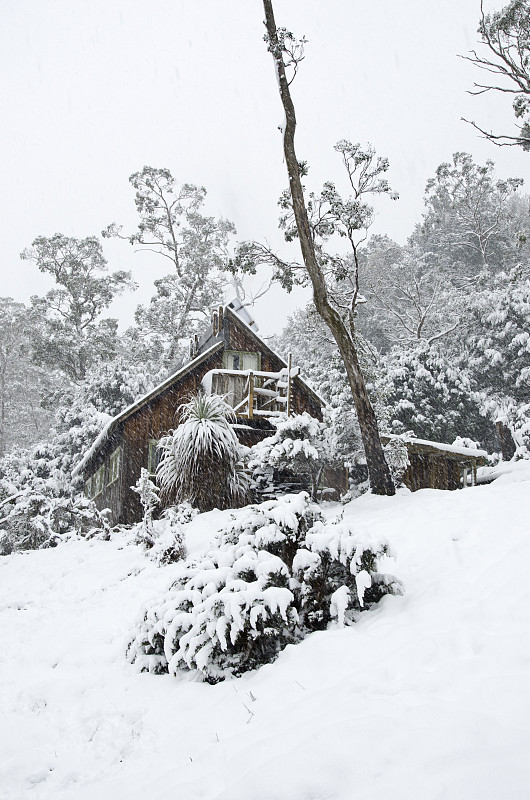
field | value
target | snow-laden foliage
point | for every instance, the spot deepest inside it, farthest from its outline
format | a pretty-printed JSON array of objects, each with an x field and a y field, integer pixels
[
  {"x": 164, "y": 538},
  {"x": 149, "y": 498},
  {"x": 497, "y": 345},
  {"x": 397, "y": 458},
  {"x": 39, "y": 503},
  {"x": 429, "y": 395},
  {"x": 302, "y": 445},
  {"x": 200, "y": 458},
  {"x": 167, "y": 534},
  {"x": 276, "y": 573},
  {"x": 315, "y": 351},
  {"x": 32, "y": 520}
]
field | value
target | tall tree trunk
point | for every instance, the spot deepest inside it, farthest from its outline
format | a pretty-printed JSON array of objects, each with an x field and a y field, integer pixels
[{"x": 380, "y": 478}]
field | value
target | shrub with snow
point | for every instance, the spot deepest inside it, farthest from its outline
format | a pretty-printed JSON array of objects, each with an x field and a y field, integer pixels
[
  {"x": 149, "y": 499},
  {"x": 200, "y": 458},
  {"x": 397, "y": 458},
  {"x": 276, "y": 573},
  {"x": 169, "y": 541},
  {"x": 33, "y": 519},
  {"x": 301, "y": 445}
]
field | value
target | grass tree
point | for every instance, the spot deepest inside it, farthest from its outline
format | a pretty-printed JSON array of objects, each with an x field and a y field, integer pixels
[{"x": 200, "y": 457}]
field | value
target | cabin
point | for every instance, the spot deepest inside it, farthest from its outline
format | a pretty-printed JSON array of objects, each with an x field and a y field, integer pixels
[
  {"x": 231, "y": 360},
  {"x": 435, "y": 465}
]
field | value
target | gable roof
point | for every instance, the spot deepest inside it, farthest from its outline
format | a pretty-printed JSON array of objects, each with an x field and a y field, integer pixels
[
  {"x": 181, "y": 373},
  {"x": 146, "y": 398}
]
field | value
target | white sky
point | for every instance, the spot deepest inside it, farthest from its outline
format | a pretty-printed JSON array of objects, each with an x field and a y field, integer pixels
[{"x": 92, "y": 91}]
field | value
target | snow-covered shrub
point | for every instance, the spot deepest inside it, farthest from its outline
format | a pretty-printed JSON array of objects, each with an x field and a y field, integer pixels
[
  {"x": 276, "y": 573},
  {"x": 199, "y": 459},
  {"x": 521, "y": 430},
  {"x": 168, "y": 543},
  {"x": 397, "y": 458},
  {"x": 164, "y": 538},
  {"x": 32, "y": 519},
  {"x": 149, "y": 499},
  {"x": 301, "y": 445}
]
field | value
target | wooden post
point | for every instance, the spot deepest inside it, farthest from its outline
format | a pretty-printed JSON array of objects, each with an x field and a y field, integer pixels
[
  {"x": 289, "y": 364},
  {"x": 464, "y": 477},
  {"x": 250, "y": 395}
]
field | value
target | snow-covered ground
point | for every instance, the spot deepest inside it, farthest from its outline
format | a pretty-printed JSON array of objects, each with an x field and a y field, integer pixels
[{"x": 427, "y": 697}]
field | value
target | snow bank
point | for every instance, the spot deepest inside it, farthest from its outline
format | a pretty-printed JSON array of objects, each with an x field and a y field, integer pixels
[{"x": 423, "y": 698}]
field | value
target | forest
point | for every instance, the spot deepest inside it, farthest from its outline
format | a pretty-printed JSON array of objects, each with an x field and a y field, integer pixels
[{"x": 442, "y": 325}]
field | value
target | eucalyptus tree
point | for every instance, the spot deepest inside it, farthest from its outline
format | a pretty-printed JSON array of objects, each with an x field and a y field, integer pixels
[
  {"x": 172, "y": 226},
  {"x": 473, "y": 220},
  {"x": 70, "y": 334},
  {"x": 334, "y": 278},
  {"x": 505, "y": 36}
]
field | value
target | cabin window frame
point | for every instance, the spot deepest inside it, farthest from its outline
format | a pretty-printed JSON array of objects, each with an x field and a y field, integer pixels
[
  {"x": 114, "y": 466},
  {"x": 98, "y": 481},
  {"x": 153, "y": 457},
  {"x": 240, "y": 354}
]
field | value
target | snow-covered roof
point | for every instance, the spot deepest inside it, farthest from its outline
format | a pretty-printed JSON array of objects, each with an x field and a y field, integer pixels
[
  {"x": 109, "y": 427},
  {"x": 447, "y": 448}
]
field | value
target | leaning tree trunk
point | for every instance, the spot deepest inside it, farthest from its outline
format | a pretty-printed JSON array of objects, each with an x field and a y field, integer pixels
[{"x": 380, "y": 478}]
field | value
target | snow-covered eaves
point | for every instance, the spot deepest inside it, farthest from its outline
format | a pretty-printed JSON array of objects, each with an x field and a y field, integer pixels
[
  {"x": 146, "y": 398},
  {"x": 426, "y": 445}
]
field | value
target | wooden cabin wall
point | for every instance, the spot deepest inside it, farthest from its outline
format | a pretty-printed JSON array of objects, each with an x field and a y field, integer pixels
[
  {"x": 152, "y": 421},
  {"x": 429, "y": 471},
  {"x": 112, "y": 495}
]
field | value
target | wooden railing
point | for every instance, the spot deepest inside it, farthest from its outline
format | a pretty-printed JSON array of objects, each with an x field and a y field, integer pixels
[{"x": 253, "y": 393}]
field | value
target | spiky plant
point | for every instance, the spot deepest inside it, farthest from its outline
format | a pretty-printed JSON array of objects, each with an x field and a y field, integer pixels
[{"x": 199, "y": 459}]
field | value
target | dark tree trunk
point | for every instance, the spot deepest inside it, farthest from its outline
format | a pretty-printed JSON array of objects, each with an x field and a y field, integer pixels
[
  {"x": 506, "y": 441},
  {"x": 380, "y": 477}
]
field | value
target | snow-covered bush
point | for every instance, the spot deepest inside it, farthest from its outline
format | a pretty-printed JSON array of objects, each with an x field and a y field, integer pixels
[
  {"x": 276, "y": 573},
  {"x": 200, "y": 458},
  {"x": 397, "y": 458},
  {"x": 168, "y": 540},
  {"x": 32, "y": 520},
  {"x": 164, "y": 538},
  {"x": 149, "y": 499},
  {"x": 301, "y": 445}
]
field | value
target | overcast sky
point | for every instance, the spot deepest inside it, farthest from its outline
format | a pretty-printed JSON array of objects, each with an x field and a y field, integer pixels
[{"x": 92, "y": 91}]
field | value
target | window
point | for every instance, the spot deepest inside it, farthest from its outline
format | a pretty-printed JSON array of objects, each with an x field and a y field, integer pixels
[
  {"x": 114, "y": 466},
  {"x": 239, "y": 359},
  {"x": 154, "y": 456},
  {"x": 98, "y": 481}
]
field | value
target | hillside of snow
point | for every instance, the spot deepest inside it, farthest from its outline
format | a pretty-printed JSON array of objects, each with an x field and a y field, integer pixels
[{"x": 426, "y": 697}]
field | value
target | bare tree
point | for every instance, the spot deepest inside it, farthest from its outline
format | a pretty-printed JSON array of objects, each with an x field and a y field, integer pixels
[
  {"x": 506, "y": 35},
  {"x": 288, "y": 52},
  {"x": 172, "y": 226}
]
